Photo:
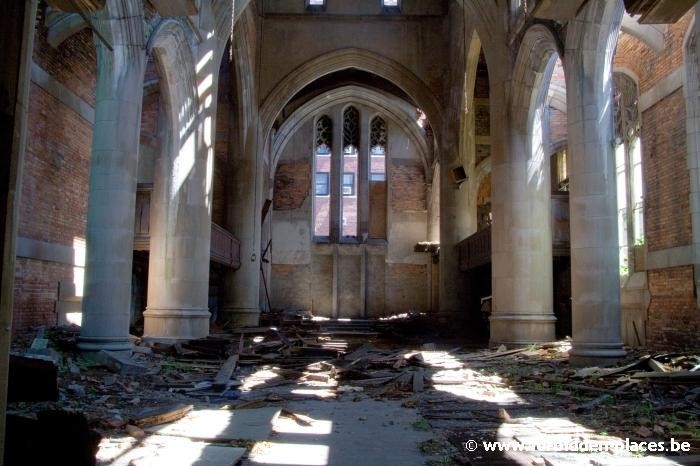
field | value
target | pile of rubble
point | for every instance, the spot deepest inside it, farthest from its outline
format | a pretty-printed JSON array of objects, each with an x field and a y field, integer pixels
[{"x": 463, "y": 394}]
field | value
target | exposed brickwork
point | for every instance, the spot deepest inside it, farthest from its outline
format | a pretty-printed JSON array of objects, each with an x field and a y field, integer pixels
[
  {"x": 482, "y": 122},
  {"x": 73, "y": 63},
  {"x": 291, "y": 185},
  {"x": 53, "y": 206},
  {"x": 53, "y": 203},
  {"x": 408, "y": 190},
  {"x": 649, "y": 66},
  {"x": 36, "y": 291},
  {"x": 557, "y": 125},
  {"x": 673, "y": 319},
  {"x": 667, "y": 184}
]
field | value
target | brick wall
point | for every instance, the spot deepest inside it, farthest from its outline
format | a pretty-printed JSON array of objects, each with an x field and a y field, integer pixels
[
  {"x": 36, "y": 291},
  {"x": 292, "y": 185},
  {"x": 666, "y": 180},
  {"x": 557, "y": 125},
  {"x": 53, "y": 206},
  {"x": 650, "y": 66},
  {"x": 73, "y": 63},
  {"x": 673, "y": 319},
  {"x": 408, "y": 190},
  {"x": 53, "y": 203}
]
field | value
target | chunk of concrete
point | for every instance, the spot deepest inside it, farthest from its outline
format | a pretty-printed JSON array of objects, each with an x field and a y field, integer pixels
[{"x": 116, "y": 362}]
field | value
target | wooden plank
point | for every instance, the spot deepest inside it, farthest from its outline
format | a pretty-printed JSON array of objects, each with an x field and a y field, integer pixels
[
  {"x": 161, "y": 415},
  {"x": 681, "y": 377},
  {"x": 226, "y": 371}
]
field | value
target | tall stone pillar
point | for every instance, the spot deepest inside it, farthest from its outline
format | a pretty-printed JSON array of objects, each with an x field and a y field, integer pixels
[
  {"x": 242, "y": 287},
  {"x": 178, "y": 278},
  {"x": 113, "y": 173},
  {"x": 241, "y": 305},
  {"x": 521, "y": 234},
  {"x": 595, "y": 279},
  {"x": 455, "y": 225}
]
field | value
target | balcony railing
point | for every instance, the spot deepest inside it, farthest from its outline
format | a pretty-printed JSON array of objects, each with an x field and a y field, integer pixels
[
  {"x": 475, "y": 250},
  {"x": 225, "y": 248}
]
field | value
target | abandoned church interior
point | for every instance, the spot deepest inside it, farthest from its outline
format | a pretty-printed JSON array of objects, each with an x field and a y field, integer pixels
[{"x": 342, "y": 232}]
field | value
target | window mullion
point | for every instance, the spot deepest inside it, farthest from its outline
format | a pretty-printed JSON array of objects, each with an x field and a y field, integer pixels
[
  {"x": 336, "y": 176},
  {"x": 363, "y": 180}
]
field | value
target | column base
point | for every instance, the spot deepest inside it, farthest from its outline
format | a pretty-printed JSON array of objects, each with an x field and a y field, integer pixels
[
  {"x": 239, "y": 317},
  {"x": 175, "y": 324},
  {"x": 96, "y": 344},
  {"x": 521, "y": 329},
  {"x": 595, "y": 354}
]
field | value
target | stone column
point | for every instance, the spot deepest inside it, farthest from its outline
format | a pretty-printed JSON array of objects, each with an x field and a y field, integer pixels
[
  {"x": 113, "y": 173},
  {"x": 178, "y": 279},
  {"x": 241, "y": 307},
  {"x": 521, "y": 235},
  {"x": 595, "y": 279},
  {"x": 455, "y": 225}
]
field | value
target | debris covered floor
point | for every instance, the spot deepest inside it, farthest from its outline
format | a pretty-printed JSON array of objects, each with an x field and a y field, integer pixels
[{"x": 349, "y": 393}]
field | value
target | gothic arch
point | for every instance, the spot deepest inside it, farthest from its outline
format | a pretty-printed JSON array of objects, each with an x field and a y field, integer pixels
[
  {"x": 350, "y": 58},
  {"x": 382, "y": 103}
]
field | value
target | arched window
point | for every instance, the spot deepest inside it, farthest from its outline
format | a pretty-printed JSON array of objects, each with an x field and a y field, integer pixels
[
  {"x": 350, "y": 197},
  {"x": 351, "y": 143},
  {"x": 628, "y": 165},
  {"x": 322, "y": 167},
  {"x": 377, "y": 178}
]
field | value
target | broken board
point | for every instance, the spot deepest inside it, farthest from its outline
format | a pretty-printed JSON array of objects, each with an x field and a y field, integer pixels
[{"x": 222, "y": 425}]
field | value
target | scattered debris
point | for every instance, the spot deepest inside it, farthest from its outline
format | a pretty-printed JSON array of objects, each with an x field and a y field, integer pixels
[{"x": 246, "y": 378}]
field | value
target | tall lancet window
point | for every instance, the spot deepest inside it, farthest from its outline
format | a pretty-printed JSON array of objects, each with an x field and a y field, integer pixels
[
  {"x": 377, "y": 178},
  {"x": 628, "y": 165},
  {"x": 349, "y": 179},
  {"x": 322, "y": 178}
]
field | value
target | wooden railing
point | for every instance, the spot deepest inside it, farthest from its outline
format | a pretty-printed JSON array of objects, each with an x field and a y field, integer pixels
[
  {"x": 225, "y": 248},
  {"x": 475, "y": 250}
]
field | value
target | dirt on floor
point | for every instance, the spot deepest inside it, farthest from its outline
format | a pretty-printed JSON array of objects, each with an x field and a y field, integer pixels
[{"x": 358, "y": 392}]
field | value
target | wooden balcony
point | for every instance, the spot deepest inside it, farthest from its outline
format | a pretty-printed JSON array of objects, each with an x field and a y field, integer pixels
[
  {"x": 225, "y": 248},
  {"x": 475, "y": 250}
]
